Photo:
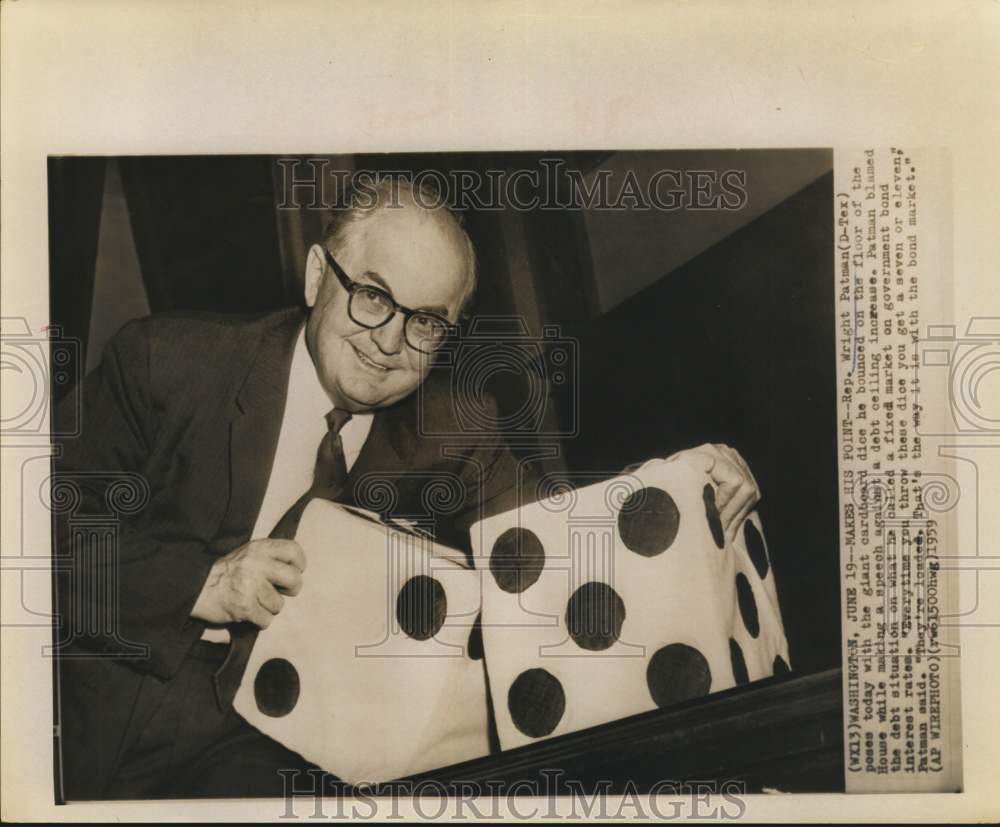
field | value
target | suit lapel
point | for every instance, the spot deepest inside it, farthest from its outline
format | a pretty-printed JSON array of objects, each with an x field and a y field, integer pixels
[
  {"x": 257, "y": 413},
  {"x": 253, "y": 433}
]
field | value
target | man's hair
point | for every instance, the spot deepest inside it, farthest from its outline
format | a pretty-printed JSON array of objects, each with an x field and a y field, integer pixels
[{"x": 366, "y": 198}]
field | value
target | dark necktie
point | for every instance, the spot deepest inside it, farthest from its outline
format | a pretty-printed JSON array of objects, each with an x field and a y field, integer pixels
[{"x": 329, "y": 476}]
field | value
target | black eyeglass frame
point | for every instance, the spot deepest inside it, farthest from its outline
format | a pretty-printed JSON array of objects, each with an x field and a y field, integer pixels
[{"x": 352, "y": 286}]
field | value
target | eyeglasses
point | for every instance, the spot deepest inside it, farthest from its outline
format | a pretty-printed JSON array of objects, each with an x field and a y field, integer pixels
[{"x": 372, "y": 307}]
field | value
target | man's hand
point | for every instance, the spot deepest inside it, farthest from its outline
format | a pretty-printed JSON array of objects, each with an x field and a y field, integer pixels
[
  {"x": 738, "y": 491},
  {"x": 247, "y": 584}
]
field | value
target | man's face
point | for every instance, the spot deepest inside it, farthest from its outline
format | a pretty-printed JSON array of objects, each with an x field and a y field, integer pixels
[{"x": 417, "y": 258}]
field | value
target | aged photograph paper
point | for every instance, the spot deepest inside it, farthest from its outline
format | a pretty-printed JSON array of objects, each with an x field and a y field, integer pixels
[
  {"x": 898, "y": 496},
  {"x": 550, "y": 364}
]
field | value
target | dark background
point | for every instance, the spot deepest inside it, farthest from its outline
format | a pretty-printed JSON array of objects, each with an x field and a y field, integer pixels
[{"x": 690, "y": 326}]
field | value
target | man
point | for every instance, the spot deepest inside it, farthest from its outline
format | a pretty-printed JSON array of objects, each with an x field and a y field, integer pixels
[{"x": 222, "y": 418}]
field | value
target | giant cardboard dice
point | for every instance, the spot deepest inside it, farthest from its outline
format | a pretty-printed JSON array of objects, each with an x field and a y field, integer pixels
[
  {"x": 620, "y": 597},
  {"x": 368, "y": 672}
]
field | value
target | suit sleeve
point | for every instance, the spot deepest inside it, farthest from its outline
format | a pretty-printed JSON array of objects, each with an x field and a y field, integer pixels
[
  {"x": 503, "y": 484},
  {"x": 127, "y": 589},
  {"x": 497, "y": 480}
]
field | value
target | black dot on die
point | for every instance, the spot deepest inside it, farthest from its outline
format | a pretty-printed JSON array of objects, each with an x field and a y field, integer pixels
[
  {"x": 474, "y": 648},
  {"x": 677, "y": 673},
  {"x": 755, "y": 548},
  {"x": 421, "y": 607},
  {"x": 648, "y": 521},
  {"x": 517, "y": 560},
  {"x": 779, "y": 667},
  {"x": 712, "y": 513},
  {"x": 536, "y": 701},
  {"x": 276, "y": 687},
  {"x": 739, "y": 664},
  {"x": 594, "y": 616},
  {"x": 748, "y": 606}
]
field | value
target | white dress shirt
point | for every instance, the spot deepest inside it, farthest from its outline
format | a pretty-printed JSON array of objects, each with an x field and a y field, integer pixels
[{"x": 303, "y": 426}]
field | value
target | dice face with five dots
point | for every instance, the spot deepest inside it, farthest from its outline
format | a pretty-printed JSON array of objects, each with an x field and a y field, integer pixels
[{"x": 621, "y": 597}]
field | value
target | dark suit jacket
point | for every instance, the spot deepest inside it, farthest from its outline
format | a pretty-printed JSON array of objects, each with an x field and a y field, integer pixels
[{"x": 190, "y": 408}]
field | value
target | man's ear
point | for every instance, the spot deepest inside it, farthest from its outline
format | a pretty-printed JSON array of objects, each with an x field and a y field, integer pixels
[{"x": 315, "y": 267}]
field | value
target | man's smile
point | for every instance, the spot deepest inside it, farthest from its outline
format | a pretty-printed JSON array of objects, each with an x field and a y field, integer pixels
[{"x": 370, "y": 364}]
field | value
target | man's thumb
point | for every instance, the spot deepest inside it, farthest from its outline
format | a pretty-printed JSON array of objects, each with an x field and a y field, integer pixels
[{"x": 693, "y": 458}]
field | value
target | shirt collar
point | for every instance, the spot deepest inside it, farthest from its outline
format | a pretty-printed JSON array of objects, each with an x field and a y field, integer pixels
[{"x": 307, "y": 393}]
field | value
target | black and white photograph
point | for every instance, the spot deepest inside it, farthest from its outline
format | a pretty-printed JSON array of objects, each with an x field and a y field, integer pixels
[{"x": 575, "y": 411}]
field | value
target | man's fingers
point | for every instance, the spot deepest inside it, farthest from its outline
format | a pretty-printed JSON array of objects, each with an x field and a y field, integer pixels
[
  {"x": 267, "y": 604},
  {"x": 287, "y": 551},
  {"x": 737, "y": 458},
  {"x": 741, "y": 516},
  {"x": 711, "y": 460},
  {"x": 702, "y": 457},
  {"x": 270, "y": 599},
  {"x": 737, "y": 510},
  {"x": 737, "y": 490},
  {"x": 285, "y": 577},
  {"x": 729, "y": 478},
  {"x": 260, "y": 617},
  {"x": 733, "y": 456},
  {"x": 730, "y": 467},
  {"x": 742, "y": 495}
]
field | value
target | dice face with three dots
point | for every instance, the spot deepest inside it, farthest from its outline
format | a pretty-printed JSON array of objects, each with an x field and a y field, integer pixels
[{"x": 621, "y": 598}]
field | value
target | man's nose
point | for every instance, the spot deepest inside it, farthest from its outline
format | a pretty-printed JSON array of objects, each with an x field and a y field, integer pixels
[{"x": 390, "y": 338}]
